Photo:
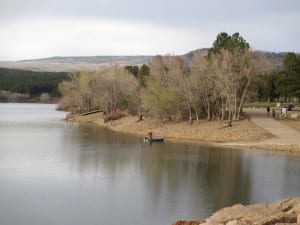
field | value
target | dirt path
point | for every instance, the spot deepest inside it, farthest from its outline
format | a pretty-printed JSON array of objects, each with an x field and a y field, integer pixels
[{"x": 286, "y": 138}]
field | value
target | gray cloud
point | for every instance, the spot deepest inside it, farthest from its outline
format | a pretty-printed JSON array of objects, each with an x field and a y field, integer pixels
[
  {"x": 188, "y": 12},
  {"x": 269, "y": 24}
]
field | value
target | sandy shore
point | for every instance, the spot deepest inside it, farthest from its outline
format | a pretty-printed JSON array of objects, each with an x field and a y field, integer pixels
[{"x": 242, "y": 134}]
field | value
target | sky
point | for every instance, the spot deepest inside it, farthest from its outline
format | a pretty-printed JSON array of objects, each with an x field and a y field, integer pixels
[{"x": 31, "y": 29}]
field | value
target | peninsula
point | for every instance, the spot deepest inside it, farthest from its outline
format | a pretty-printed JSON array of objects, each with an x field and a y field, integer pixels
[{"x": 270, "y": 134}]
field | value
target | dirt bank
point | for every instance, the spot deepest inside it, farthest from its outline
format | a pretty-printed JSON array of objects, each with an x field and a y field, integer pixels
[
  {"x": 204, "y": 131},
  {"x": 242, "y": 134}
]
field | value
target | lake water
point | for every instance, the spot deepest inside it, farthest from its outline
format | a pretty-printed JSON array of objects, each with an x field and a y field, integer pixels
[{"x": 58, "y": 173}]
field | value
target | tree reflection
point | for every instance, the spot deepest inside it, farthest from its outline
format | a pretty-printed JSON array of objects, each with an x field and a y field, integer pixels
[{"x": 172, "y": 178}]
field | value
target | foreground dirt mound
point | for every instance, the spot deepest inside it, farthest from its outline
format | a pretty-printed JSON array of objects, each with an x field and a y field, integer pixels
[{"x": 286, "y": 211}]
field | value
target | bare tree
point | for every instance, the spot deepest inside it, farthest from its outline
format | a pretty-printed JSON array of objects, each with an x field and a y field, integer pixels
[
  {"x": 77, "y": 97},
  {"x": 233, "y": 74},
  {"x": 202, "y": 86},
  {"x": 114, "y": 89}
]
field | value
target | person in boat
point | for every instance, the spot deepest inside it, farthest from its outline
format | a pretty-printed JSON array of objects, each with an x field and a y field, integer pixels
[{"x": 150, "y": 135}]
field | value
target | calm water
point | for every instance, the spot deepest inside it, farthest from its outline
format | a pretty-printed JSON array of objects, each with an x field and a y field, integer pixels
[{"x": 58, "y": 173}]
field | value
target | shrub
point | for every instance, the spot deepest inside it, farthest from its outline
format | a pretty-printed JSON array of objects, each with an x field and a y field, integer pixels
[
  {"x": 44, "y": 97},
  {"x": 113, "y": 115}
]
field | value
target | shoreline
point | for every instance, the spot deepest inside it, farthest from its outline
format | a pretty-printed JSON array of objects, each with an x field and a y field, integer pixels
[
  {"x": 34, "y": 101},
  {"x": 242, "y": 134}
]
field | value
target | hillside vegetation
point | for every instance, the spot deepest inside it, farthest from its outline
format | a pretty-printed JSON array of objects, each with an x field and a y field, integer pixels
[{"x": 21, "y": 84}]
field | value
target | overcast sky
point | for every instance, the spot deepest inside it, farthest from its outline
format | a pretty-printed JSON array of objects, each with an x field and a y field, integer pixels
[{"x": 43, "y": 28}]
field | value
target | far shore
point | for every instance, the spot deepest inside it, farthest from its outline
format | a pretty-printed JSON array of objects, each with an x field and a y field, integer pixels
[
  {"x": 34, "y": 100},
  {"x": 242, "y": 134}
]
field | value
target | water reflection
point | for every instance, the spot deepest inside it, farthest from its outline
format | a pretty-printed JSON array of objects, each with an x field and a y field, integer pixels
[
  {"x": 80, "y": 173},
  {"x": 197, "y": 179}
]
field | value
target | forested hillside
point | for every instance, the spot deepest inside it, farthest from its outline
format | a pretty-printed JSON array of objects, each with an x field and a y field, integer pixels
[{"x": 30, "y": 82}]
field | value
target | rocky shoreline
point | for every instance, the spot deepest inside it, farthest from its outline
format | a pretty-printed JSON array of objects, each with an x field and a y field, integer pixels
[{"x": 286, "y": 211}]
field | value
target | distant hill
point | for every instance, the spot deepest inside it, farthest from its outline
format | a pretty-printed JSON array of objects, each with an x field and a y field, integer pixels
[
  {"x": 277, "y": 58},
  {"x": 67, "y": 64},
  {"x": 92, "y": 63}
]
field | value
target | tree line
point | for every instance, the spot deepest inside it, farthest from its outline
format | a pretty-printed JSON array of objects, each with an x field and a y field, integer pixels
[
  {"x": 282, "y": 84},
  {"x": 211, "y": 86},
  {"x": 30, "y": 82}
]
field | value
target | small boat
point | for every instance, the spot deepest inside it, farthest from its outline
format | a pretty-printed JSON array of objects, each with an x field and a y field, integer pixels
[{"x": 154, "y": 139}]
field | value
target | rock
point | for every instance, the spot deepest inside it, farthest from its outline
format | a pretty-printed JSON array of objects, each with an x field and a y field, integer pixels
[
  {"x": 249, "y": 213},
  {"x": 286, "y": 205},
  {"x": 277, "y": 218},
  {"x": 228, "y": 214},
  {"x": 233, "y": 222},
  {"x": 256, "y": 212},
  {"x": 286, "y": 224},
  {"x": 211, "y": 223},
  {"x": 188, "y": 222},
  {"x": 286, "y": 211}
]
